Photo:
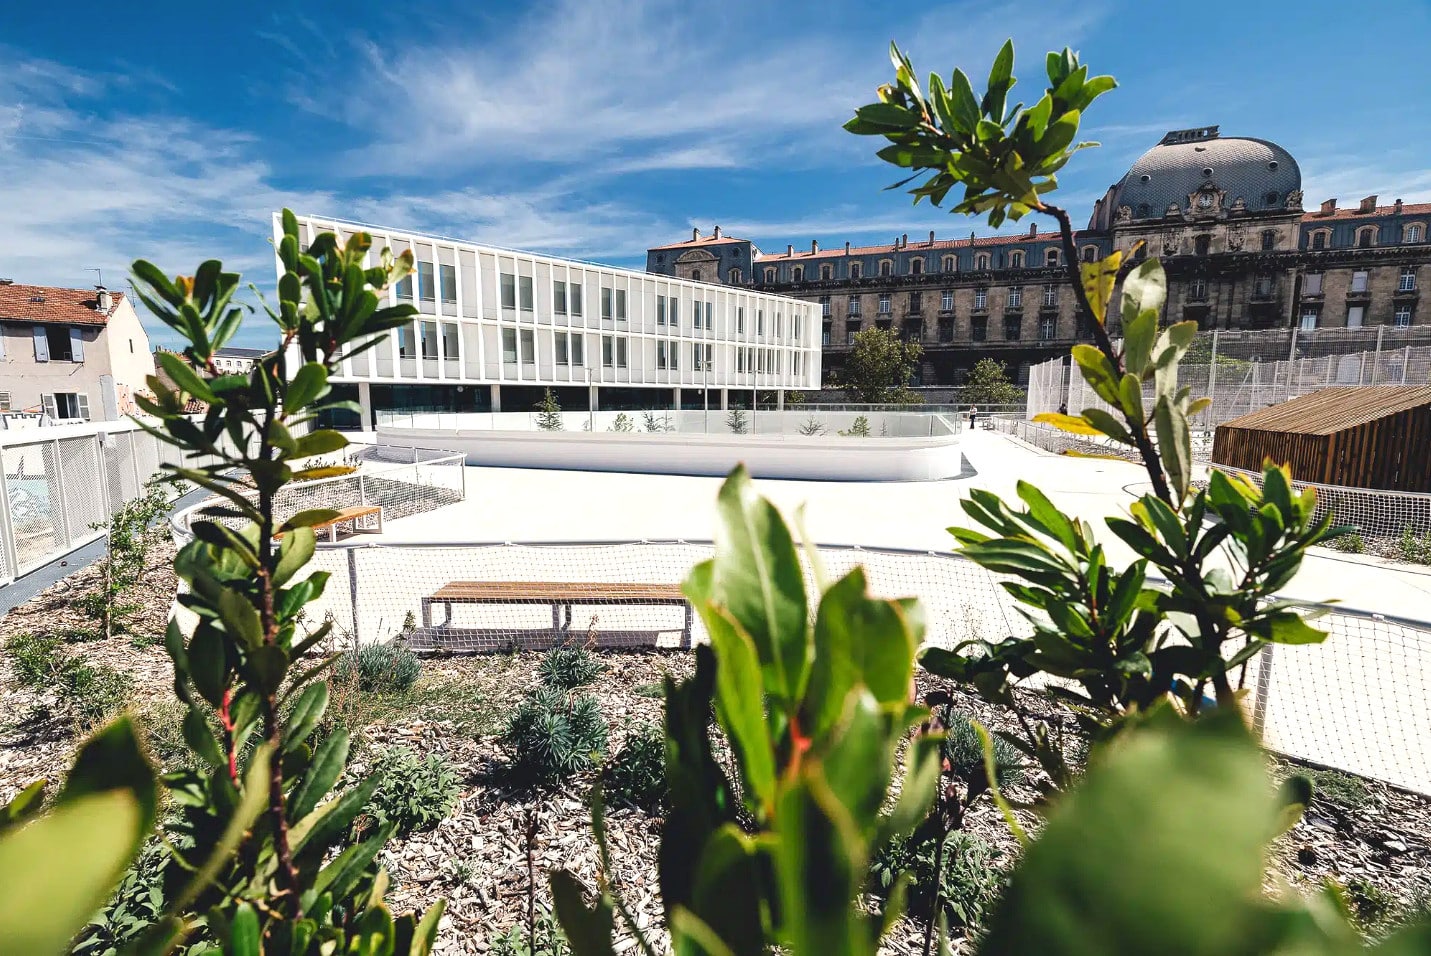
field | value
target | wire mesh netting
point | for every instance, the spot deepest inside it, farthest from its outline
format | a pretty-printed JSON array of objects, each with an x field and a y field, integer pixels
[
  {"x": 1360, "y": 702},
  {"x": 1385, "y": 514}
]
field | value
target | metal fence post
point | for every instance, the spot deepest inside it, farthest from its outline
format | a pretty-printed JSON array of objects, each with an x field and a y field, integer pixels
[
  {"x": 353, "y": 592},
  {"x": 61, "y": 515},
  {"x": 9, "y": 551},
  {"x": 1264, "y": 688}
]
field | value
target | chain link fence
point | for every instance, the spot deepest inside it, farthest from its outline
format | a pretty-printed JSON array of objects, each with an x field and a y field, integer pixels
[{"x": 1360, "y": 702}]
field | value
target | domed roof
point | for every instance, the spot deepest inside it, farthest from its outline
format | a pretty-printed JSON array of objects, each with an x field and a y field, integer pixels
[{"x": 1260, "y": 173}]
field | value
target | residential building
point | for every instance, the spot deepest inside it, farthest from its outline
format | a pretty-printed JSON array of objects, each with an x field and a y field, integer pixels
[
  {"x": 231, "y": 360},
  {"x": 1223, "y": 213},
  {"x": 496, "y": 327},
  {"x": 70, "y": 354}
]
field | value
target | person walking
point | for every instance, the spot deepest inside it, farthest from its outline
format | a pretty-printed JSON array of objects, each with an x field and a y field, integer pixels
[
  {"x": 1063, "y": 408},
  {"x": 973, "y": 416}
]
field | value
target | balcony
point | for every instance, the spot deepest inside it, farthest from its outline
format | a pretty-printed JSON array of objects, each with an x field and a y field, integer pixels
[{"x": 1048, "y": 307}]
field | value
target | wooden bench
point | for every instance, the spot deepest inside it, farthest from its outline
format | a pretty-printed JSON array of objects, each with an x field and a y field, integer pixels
[
  {"x": 356, "y": 518},
  {"x": 561, "y": 596}
]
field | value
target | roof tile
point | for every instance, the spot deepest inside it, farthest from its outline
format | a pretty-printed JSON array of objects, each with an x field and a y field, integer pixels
[{"x": 47, "y": 305}]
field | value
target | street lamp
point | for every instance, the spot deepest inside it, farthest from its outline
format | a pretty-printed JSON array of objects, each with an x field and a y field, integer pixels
[{"x": 590, "y": 409}]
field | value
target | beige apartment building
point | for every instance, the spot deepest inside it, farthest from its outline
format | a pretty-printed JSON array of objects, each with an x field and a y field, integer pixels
[{"x": 71, "y": 354}]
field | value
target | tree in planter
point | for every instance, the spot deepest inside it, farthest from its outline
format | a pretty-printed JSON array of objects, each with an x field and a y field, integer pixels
[
  {"x": 878, "y": 369},
  {"x": 812, "y": 427},
  {"x": 988, "y": 384},
  {"x": 737, "y": 421},
  {"x": 549, "y": 413},
  {"x": 655, "y": 425},
  {"x": 252, "y": 846},
  {"x": 130, "y": 535},
  {"x": 1226, "y": 550},
  {"x": 859, "y": 428},
  {"x": 622, "y": 423}
]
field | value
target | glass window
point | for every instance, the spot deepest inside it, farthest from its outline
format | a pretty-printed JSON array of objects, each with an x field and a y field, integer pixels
[
  {"x": 509, "y": 346},
  {"x": 1407, "y": 282},
  {"x": 1358, "y": 282},
  {"x": 850, "y": 336},
  {"x": 621, "y": 352},
  {"x": 1309, "y": 319},
  {"x": 426, "y": 281},
  {"x": 563, "y": 356},
  {"x": 795, "y": 332},
  {"x": 407, "y": 341},
  {"x": 981, "y": 298},
  {"x": 429, "y": 340},
  {"x": 884, "y": 303},
  {"x": 1355, "y": 314},
  {"x": 916, "y": 267},
  {"x": 981, "y": 261},
  {"x": 1090, "y": 254},
  {"x": 605, "y": 303},
  {"x": 660, "y": 310},
  {"x": 404, "y": 288},
  {"x": 733, "y": 277},
  {"x": 740, "y": 320},
  {"x": 524, "y": 285},
  {"x": 574, "y": 298},
  {"x": 915, "y": 302},
  {"x": 827, "y": 273},
  {"x": 759, "y": 321},
  {"x": 1050, "y": 295},
  {"x": 854, "y": 305},
  {"x": 825, "y": 334},
  {"x": 949, "y": 264},
  {"x": 608, "y": 351},
  {"x": 825, "y": 306},
  {"x": 1202, "y": 245},
  {"x": 1263, "y": 285},
  {"x": 449, "y": 340},
  {"x": 979, "y": 328},
  {"x": 529, "y": 347},
  {"x": 673, "y": 319},
  {"x": 1365, "y": 237},
  {"x": 1402, "y": 318},
  {"x": 1319, "y": 241},
  {"x": 448, "y": 274},
  {"x": 1312, "y": 284},
  {"x": 509, "y": 291},
  {"x": 855, "y": 270},
  {"x": 1047, "y": 328},
  {"x": 886, "y": 267},
  {"x": 621, "y": 305},
  {"x": 559, "y": 297},
  {"x": 1413, "y": 233},
  {"x": 695, "y": 275},
  {"x": 1013, "y": 328},
  {"x": 1197, "y": 290},
  {"x": 710, "y": 315},
  {"x": 578, "y": 349},
  {"x": 1269, "y": 239},
  {"x": 1016, "y": 259},
  {"x": 946, "y": 300},
  {"x": 798, "y": 274},
  {"x": 1016, "y": 297}
]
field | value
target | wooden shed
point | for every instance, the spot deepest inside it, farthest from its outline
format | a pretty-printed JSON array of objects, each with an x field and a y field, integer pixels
[{"x": 1375, "y": 436}]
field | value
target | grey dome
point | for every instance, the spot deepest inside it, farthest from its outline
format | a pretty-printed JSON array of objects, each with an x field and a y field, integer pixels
[{"x": 1260, "y": 173}]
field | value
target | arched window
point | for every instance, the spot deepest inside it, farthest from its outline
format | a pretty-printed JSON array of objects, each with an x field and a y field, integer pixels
[
  {"x": 1016, "y": 259},
  {"x": 695, "y": 275},
  {"x": 797, "y": 274},
  {"x": 1051, "y": 257},
  {"x": 855, "y": 270},
  {"x": 769, "y": 275},
  {"x": 733, "y": 277},
  {"x": 1319, "y": 240},
  {"x": 916, "y": 266},
  {"x": 1202, "y": 245},
  {"x": 1413, "y": 232},
  {"x": 826, "y": 272},
  {"x": 1269, "y": 239},
  {"x": 1366, "y": 237},
  {"x": 1090, "y": 253},
  {"x": 886, "y": 267},
  {"x": 981, "y": 261},
  {"x": 949, "y": 264}
]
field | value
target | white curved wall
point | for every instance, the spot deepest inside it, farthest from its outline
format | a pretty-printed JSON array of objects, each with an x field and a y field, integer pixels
[{"x": 822, "y": 458}]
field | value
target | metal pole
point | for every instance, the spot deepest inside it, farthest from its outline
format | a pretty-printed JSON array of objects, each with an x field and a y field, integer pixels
[
  {"x": 8, "y": 551},
  {"x": 1264, "y": 688},
  {"x": 1212, "y": 380},
  {"x": 353, "y": 591},
  {"x": 1405, "y": 361}
]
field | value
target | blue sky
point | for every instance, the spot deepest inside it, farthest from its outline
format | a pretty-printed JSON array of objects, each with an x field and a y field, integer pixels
[{"x": 598, "y": 129}]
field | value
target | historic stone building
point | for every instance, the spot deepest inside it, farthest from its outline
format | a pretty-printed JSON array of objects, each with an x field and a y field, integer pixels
[{"x": 1225, "y": 215}]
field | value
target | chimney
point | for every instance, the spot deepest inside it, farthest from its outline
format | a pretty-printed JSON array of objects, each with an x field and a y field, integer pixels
[
  {"x": 1329, "y": 207},
  {"x": 1033, "y": 229},
  {"x": 103, "y": 301},
  {"x": 814, "y": 246},
  {"x": 931, "y": 237},
  {"x": 847, "y": 247},
  {"x": 904, "y": 241},
  {"x": 716, "y": 234},
  {"x": 1396, "y": 208},
  {"x": 1367, "y": 205},
  {"x": 971, "y": 238},
  {"x": 695, "y": 234},
  {"x": 790, "y": 251}
]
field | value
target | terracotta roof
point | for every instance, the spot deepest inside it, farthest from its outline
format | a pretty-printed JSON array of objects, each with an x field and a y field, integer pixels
[
  {"x": 50, "y": 306},
  {"x": 1335, "y": 409},
  {"x": 1407, "y": 209},
  {"x": 697, "y": 243},
  {"x": 938, "y": 244}
]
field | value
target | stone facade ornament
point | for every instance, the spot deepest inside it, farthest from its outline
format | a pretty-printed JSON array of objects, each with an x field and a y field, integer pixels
[
  {"x": 1124, "y": 214},
  {"x": 1294, "y": 199}
]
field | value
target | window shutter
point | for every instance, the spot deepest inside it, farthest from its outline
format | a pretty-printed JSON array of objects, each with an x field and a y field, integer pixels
[
  {"x": 76, "y": 344},
  {"x": 82, "y": 401},
  {"x": 47, "y": 400},
  {"x": 42, "y": 345}
]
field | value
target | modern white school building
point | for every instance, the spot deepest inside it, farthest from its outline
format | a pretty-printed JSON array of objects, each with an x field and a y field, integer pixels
[{"x": 496, "y": 327}]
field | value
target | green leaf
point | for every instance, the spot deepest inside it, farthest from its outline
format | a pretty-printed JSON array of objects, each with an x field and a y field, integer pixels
[
  {"x": 1098, "y": 372},
  {"x": 240, "y": 619},
  {"x": 588, "y": 929},
  {"x": 308, "y": 383},
  {"x": 309, "y": 518},
  {"x": 1288, "y": 627},
  {"x": 1068, "y": 423},
  {"x": 200, "y": 738},
  {"x": 245, "y": 937},
  {"x": 307, "y": 712},
  {"x": 1098, "y": 279},
  {"x": 962, "y": 102},
  {"x": 1174, "y": 447},
  {"x": 23, "y": 805},
  {"x": 320, "y": 442},
  {"x": 1171, "y": 798},
  {"x": 817, "y": 846},
  {"x": 727, "y": 896},
  {"x": 294, "y": 552},
  {"x": 741, "y": 711},
  {"x": 185, "y": 377},
  {"x": 757, "y": 576}
]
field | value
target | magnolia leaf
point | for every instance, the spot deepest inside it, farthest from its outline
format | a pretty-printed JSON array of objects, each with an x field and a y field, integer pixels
[
  {"x": 1068, "y": 423},
  {"x": 1098, "y": 277}
]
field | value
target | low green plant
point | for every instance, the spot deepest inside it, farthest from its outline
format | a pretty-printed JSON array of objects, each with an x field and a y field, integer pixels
[
  {"x": 37, "y": 659},
  {"x": 136, "y": 904},
  {"x": 812, "y": 427},
  {"x": 554, "y": 734},
  {"x": 859, "y": 428},
  {"x": 636, "y": 775},
  {"x": 1349, "y": 543},
  {"x": 131, "y": 534},
  {"x": 413, "y": 793},
  {"x": 1410, "y": 547},
  {"x": 549, "y": 413},
  {"x": 655, "y": 425},
  {"x": 970, "y": 877},
  {"x": 1374, "y": 911},
  {"x": 964, "y": 752},
  {"x": 1346, "y": 790},
  {"x": 543, "y": 938},
  {"x": 566, "y": 667},
  {"x": 90, "y": 694},
  {"x": 737, "y": 421},
  {"x": 391, "y": 667},
  {"x": 622, "y": 423},
  {"x": 652, "y": 689}
]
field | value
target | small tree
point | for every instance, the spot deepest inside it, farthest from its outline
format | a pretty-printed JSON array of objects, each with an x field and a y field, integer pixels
[
  {"x": 812, "y": 427},
  {"x": 132, "y": 533},
  {"x": 655, "y": 425},
  {"x": 549, "y": 413},
  {"x": 737, "y": 421},
  {"x": 623, "y": 423},
  {"x": 859, "y": 428},
  {"x": 879, "y": 367},
  {"x": 988, "y": 384}
]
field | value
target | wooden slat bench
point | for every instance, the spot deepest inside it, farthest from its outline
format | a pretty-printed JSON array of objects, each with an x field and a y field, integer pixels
[
  {"x": 561, "y": 596},
  {"x": 360, "y": 519}
]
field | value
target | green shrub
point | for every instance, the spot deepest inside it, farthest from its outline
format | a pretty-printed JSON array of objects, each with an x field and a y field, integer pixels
[
  {"x": 964, "y": 752},
  {"x": 1373, "y": 910},
  {"x": 1414, "y": 549},
  {"x": 37, "y": 658},
  {"x": 92, "y": 693},
  {"x": 549, "y": 941},
  {"x": 655, "y": 690},
  {"x": 554, "y": 734},
  {"x": 569, "y": 667},
  {"x": 859, "y": 428},
  {"x": 1349, "y": 543},
  {"x": 136, "y": 904},
  {"x": 389, "y": 667},
  {"x": 636, "y": 776},
  {"x": 413, "y": 792},
  {"x": 971, "y": 883},
  {"x": 1343, "y": 789}
]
